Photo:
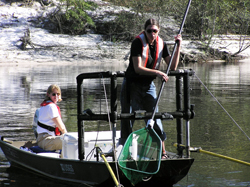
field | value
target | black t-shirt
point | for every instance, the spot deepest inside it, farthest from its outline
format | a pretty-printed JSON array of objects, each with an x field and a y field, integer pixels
[{"x": 136, "y": 51}]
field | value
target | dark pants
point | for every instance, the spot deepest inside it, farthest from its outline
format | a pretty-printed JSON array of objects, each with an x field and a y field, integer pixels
[{"x": 141, "y": 97}]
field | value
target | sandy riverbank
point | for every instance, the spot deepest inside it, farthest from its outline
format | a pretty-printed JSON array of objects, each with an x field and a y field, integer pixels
[{"x": 64, "y": 49}]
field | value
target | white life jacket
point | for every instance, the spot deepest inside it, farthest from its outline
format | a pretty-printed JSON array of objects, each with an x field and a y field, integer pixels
[{"x": 145, "y": 50}]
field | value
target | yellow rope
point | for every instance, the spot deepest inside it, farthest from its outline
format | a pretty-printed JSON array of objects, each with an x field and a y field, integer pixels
[
  {"x": 109, "y": 168},
  {"x": 225, "y": 157},
  {"x": 213, "y": 154}
]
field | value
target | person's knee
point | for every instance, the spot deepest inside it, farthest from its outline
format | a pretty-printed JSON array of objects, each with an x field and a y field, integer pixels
[{"x": 51, "y": 143}]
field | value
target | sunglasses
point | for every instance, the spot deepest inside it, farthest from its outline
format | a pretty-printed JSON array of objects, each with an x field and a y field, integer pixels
[
  {"x": 54, "y": 94},
  {"x": 152, "y": 30}
]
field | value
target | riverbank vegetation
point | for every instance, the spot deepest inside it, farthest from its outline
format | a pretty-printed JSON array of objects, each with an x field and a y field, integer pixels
[{"x": 206, "y": 20}]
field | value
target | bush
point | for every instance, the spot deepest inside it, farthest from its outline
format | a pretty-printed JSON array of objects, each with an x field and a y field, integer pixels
[
  {"x": 125, "y": 26},
  {"x": 74, "y": 19}
]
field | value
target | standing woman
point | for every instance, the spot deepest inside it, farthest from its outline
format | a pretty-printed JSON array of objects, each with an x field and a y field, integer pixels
[
  {"x": 138, "y": 89},
  {"x": 50, "y": 126}
]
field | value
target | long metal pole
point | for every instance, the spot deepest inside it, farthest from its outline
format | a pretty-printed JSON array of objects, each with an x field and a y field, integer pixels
[
  {"x": 187, "y": 106},
  {"x": 187, "y": 138},
  {"x": 179, "y": 108},
  {"x": 170, "y": 62}
]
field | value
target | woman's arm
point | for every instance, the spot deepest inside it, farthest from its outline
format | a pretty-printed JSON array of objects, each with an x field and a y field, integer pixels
[
  {"x": 141, "y": 70},
  {"x": 59, "y": 123},
  {"x": 176, "y": 58}
]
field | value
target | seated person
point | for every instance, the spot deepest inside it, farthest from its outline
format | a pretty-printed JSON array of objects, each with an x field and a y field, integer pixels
[{"x": 50, "y": 127}]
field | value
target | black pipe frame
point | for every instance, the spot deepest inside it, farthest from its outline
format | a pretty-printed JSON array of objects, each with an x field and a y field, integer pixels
[{"x": 182, "y": 88}]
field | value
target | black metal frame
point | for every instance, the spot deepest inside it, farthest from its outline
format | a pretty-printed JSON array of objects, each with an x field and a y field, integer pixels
[{"x": 187, "y": 113}]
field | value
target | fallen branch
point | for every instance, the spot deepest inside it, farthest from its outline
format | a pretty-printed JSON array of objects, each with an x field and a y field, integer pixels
[{"x": 26, "y": 40}]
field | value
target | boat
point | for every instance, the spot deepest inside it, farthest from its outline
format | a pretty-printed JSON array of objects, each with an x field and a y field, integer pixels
[{"x": 81, "y": 159}]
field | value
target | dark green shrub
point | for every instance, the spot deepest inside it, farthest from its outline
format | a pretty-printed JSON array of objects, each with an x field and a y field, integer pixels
[
  {"x": 125, "y": 26},
  {"x": 71, "y": 17}
]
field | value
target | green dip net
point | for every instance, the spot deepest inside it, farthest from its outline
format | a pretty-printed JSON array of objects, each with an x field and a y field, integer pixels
[{"x": 141, "y": 155}]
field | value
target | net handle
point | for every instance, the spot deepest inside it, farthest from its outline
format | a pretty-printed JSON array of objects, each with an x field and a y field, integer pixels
[{"x": 151, "y": 121}]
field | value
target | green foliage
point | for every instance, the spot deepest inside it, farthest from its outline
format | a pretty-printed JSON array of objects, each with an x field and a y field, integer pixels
[
  {"x": 125, "y": 26},
  {"x": 205, "y": 17},
  {"x": 209, "y": 17},
  {"x": 74, "y": 19}
]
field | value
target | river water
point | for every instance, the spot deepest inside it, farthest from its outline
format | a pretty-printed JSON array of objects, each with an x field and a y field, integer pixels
[{"x": 22, "y": 89}]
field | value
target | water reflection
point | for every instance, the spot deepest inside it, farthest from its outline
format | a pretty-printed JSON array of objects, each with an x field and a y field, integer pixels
[{"x": 22, "y": 89}]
